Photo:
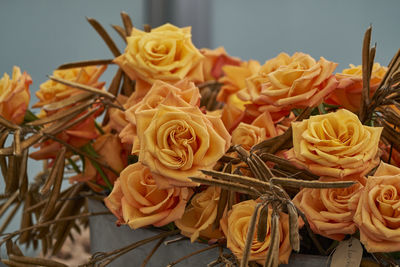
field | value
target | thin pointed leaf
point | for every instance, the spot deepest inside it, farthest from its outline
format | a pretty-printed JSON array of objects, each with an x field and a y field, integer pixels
[
  {"x": 262, "y": 224},
  {"x": 126, "y": 20},
  {"x": 250, "y": 236},
  {"x": 293, "y": 227},
  {"x": 104, "y": 35},
  {"x": 85, "y": 63},
  {"x": 120, "y": 31},
  {"x": 68, "y": 101}
]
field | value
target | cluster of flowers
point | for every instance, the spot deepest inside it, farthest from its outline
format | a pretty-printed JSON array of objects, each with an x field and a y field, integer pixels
[{"x": 174, "y": 138}]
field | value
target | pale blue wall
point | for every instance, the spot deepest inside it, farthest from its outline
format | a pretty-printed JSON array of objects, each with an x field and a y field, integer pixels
[{"x": 334, "y": 29}]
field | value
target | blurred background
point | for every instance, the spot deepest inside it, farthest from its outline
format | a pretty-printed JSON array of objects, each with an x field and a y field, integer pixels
[{"x": 40, "y": 35}]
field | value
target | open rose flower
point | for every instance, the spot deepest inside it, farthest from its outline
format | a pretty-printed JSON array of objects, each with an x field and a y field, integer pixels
[
  {"x": 215, "y": 60},
  {"x": 136, "y": 200},
  {"x": 110, "y": 150},
  {"x": 378, "y": 211},
  {"x": 52, "y": 91},
  {"x": 288, "y": 82},
  {"x": 259, "y": 130},
  {"x": 348, "y": 92},
  {"x": 166, "y": 53},
  {"x": 330, "y": 211},
  {"x": 176, "y": 140},
  {"x": 200, "y": 215},
  {"x": 335, "y": 144},
  {"x": 236, "y": 224},
  {"x": 14, "y": 95}
]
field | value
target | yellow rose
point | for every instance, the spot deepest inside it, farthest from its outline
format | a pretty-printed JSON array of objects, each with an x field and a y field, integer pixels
[
  {"x": 378, "y": 211},
  {"x": 348, "y": 92},
  {"x": 166, "y": 53},
  {"x": 288, "y": 82},
  {"x": 236, "y": 224},
  {"x": 330, "y": 211},
  {"x": 259, "y": 130},
  {"x": 137, "y": 201},
  {"x": 177, "y": 139},
  {"x": 14, "y": 95},
  {"x": 335, "y": 144},
  {"x": 51, "y": 91},
  {"x": 200, "y": 215}
]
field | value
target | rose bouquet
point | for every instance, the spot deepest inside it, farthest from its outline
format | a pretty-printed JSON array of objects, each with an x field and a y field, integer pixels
[{"x": 262, "y": 159}]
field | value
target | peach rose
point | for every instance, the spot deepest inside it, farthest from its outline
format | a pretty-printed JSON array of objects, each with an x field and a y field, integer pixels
[
  {"x": 288, "y": 82},
  {"x": 378, "y": 211},
  {"x": 14, "y": 95},
  {"x": 235, "y": 78},
  {"x": 184, "y": 90},
  {"x": 136, "y": 200},
  {"x": 348, "y": 92},
  {"x": 200, "y": 215},
  {"x": 166, "y": 53},
  {"x": 110, "y": 150},
  {"x": 335, "y": 144},
  {"x": 51, "y": 91},
  {"x": 330, "y": 211},
  {"x": 176, "y": 140},
  {"x": 259, "y": 130},
  {"x": 236, "y": 224},
  {"x": 215, "y": 60}
]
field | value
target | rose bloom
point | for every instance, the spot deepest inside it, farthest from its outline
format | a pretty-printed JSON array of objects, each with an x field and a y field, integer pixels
[
  {"x": 288, "y": 82},
  {"x": 136, "y": 200},
  {"x": 235, "y": 226},
  {"x": 110, "y": 150},
  {"x": 335, "y": 144},
  {"x": 378, "y": 211},
  {"x": 166, "y": 53},
  {"x": 183, "y": 90},
  {"x": 200, "y": 215},
  {"x": 249, "y": 135},
  {"x": 52, "y": 91},
  {"x": 215, "y": 60},
  {"x": 176, "y": 140},
  {"x": 330, "y": 211},
  {"x": 235, "y": 78},
  {"x": 14, "y": 95},
  {"x": 349, "y": 90}
]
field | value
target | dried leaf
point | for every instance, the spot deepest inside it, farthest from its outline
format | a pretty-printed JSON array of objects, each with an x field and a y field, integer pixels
[
  {"x": 72, "y": 111},
  {"x": 17, "y": 143},
  {"x": 227, "y": 185},
  {"x": 126, "y": 20},
  {"x": 3, "y": 162},
  {"x": 83, "y": 87},
  {"x": 272, "y": 259},
  {"x": 8, "y": 203},
  {"x": 104, "y": 35},
  {"x": 8, "y": 124},
  {"x": 9, "y": 217},
  {"x": 366, "y": 75},
  {"x": 127, "y": 86},
  {"x": 12, "y": 175},
  {"x": 22, "y": 176},
  {"x": 248, "y": 181},
  {"x": 36, "y": 261},
  {"x": 68, "y": 101},
  {"x": 310, "y": 184},
  {"x": 85, "y": 63},
  {"x": 293, "y": 227},
  {"x": 250, "y": 236},
  {"x": 147, "y": 28},
  {"x": 262, "y": 224},
  {"x": 55, "y": 179},
  {"x": 223, "y": 199},
  {"x": 120, "y": 31},
  {"x": 26, "y": 220}
]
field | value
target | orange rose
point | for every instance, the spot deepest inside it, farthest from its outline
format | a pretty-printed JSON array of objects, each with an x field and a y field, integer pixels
[
  {"x": 236, "y": 224},
  {"x": 288, "y": 82},
  {"x": 176, "y": 140},
  {"x": 330, "y": 211},
  {"x": 109, "y": 148},
  {"x": 14, "y": 95},
  {"x": 137, "y": 201},
  {"x": 200, "y": 215},
  {"x": 235, "y": 78},
  {"x": 335, "y": 144},
  {"x": 166, "y": 53},
  {"x": 215, "y": 60},
  {"x": 378, "y": 211},
  {"x": 249, "y": 135},
  {"x": 51, "y": 91},
  {"x": 348, "y": 92}
]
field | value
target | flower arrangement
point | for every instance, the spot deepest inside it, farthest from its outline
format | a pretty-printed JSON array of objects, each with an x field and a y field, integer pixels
[{"x": 258, "y": 158}]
